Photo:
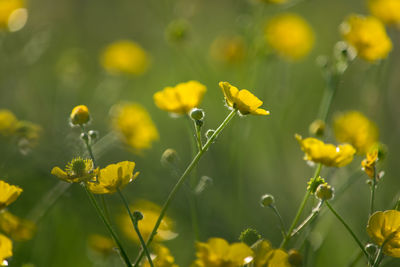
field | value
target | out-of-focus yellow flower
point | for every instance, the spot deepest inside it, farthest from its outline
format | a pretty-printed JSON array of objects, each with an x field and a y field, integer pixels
[
  {"x": 275, "y": 1},
  {"x": 367, "y": 35},
  {"x": 80, "y": 115},
  {"x": 113, "y": 177},
  {"x": 266, "y": 256},
  {"x": 289, "y": 35},
  {"x": 7, "y": 7},
  {"x": 134, "y": 124},
  {"x": 384, "y": 228},
  {"x": 76, "y": 171},
  {"x": 368, "y": 164},
  {"x": 150, "y": 212},
  {"x": 229, "y": 50},
  {"x": 15, "y": 227},
  {"x": 386, "y": 10},
  {"x": 243, "y": 100},
  {"x": 8, "y": 194},
  {"x": 180, "y": 99},
  {"x": 8, "y": 122},
  {"x": 5, "y": 248},
  {"x": 163, "y": 257},
  {"x": 217, "y": 252},
  {"x": 125, "y": 57},
  {"x": 354, "y": 128},
  {"x": 101, "y": 244},
  {"x": 333, "y": 156}
]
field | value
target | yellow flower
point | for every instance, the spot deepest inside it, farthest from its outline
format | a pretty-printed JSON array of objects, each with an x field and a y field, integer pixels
[
  {"x": 384, "y": 228},
  {"x": 80, "y": 115},
  {"x": 354, "y": 128},
  {"x": 8, "y": 194},
  {"x": 125, "y": 57},
  {"x": 8, "y": 122},
  {"x": 101, "y": 244},
  {"x": 150, "y": 212},
  {"x": 15, "y": 227},
  {"x": 163, "y": 257},
  {"x": 317, "y": 151},
  {"x": 228, "y": 50},
  {"x": 113, "y": 177},
  {"x": 133, "y": 123},
  {"x": 368, "y": 164},
  {"x": 243, "y": 100},
  {"x": 266, "y": 256},
  {"x": 368, "y": 36},
  {"x": 5, "y": 248},
  {"x": 7, "y": 7},
  {"x": 219, "y": 253},
  {"x": 76, "y": 171},
  {"x": 180, "y": 99},
  {"x": 386, "y": 10},
  {"x": 290, "y": 35}
]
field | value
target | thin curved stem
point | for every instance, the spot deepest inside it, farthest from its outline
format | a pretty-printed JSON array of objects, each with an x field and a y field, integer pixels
[
  {"x": 313, "y": 214},
  {"x": 278, "y": 215},
  {"x": 349, "y": 230},
  {"x": 135, "y": 225},
  {"x": 182, "y": 180}
]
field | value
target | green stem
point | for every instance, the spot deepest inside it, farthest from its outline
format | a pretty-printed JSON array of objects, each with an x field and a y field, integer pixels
[
  {"x": 278, "y": 215},
  {"x": 378, "y": 258},
  {"x": 182, "y": 180},
  {"x": 88, "y": 146},
  {"x": 313, "y": 214},
  {"x": 135, "y": 225},
  {"x": 373, "y": 187},
  {"x": 332, "y": 82},
  {"x": 123, "y": 254},
  {"x": 349, "y": 230},
  {"x": 198, "y": 136},
  {"x": 300, "y": 210}
]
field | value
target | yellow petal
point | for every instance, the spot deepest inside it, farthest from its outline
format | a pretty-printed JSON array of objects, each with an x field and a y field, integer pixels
[
  {"x": 239, "y": 254},
  {"x": 229, "y": 92}
]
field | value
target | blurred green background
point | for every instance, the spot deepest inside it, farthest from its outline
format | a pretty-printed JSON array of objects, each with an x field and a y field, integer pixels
[{"x": 52, "y": 64}]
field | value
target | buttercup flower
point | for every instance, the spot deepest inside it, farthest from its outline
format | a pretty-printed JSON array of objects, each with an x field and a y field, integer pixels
[
  {"x": 150, "y": 212},
  {"x": 180, "y": 99},
  {"x": 79, "y": 115},
  {"x": 368, "y": 164},
  {"x": 134, "y": 124},
  {"x": 18, "y": 229},
  {"x": 125, "y": 57},
  {"x": 163, "y": 257},
  {"x": 266, "y": 256},
  {"x": 8, "y": 194},
  {"x": 76, "y": 171},
  {"x": 368, "y": 36},
  {"x": 243, "y": 100},
  {"x": 317, "y": 151},
  {"x": 384, "y": 228},
  {"x": 5, "y": 248},
  {"x": 219, "y": 253},
  {"x": 7, "y": 7},
  {"x": 101, "y": 244},
  {"x": 354, "y": 128},
  {"x": 289, "y": 35},
  {"x": 386, "y": 10},
  {"x": 113, "y": 177},
  {"x": 8, "y": 122},
  {"x": 228, "y": 50}
]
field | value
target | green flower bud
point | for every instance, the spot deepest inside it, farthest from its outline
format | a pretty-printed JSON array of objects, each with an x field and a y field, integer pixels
[
  {"x": 85, "y": 137},
  {"x": 249, "y": 236},
  {"x": 295, "y": 258},
  {"x": 209, "y": 133},
  {"x": 267, "y": 200},
  {"x": 93, "y": 135},
  {"x": 324, "y": 192},
  {"x": 197, "y": 114},
  {"x": 170, "y": 156},
  {"x": 371, "y": 249},
  {"x": 314, "y": 183},
  {"x": 137, "y": 215},
  {"x": 317, "y": 128}
]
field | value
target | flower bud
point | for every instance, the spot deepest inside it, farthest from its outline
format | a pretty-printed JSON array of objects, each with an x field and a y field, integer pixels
[
  {"x": 170, "y": 156},
  {"x": 324, "y": 192},
  {"x": 93, "y": 135},
  {"x": 85, "y": 137},
  {"x": 317, "y": 128},
  {"x": 197, "y": 114},
  {"x": 177, "y": 30},
  {"x": 249, "y": 236},
  {"x": 209, "y": 133},
  {"x": 137, "y": 215},
  {"x": 295, "y": 258},
  {"x": 80, "y": 115},
  {"x": 267, "y": 200},
  {"x": 371, "y": 249}
]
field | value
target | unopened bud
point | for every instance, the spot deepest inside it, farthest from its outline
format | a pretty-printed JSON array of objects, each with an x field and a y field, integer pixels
[
  {"x": 93, "y": 135},
  {"x": 85, "y": 137},
  {"x": 267, "y": 200},
  {"x": 295, "y": 258},
  {"x": 137, "y": 215},
  {"x": 197, "y": 114},
  {"x": 170, "y": 156},
  {"x": 249, "y": 236},
  {"x": 80, "y": 115},
  {"x": 371, "y": 249},
  {"x": 317, "y": 128},
  {"x": 324, "y": 192}
]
